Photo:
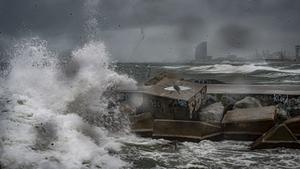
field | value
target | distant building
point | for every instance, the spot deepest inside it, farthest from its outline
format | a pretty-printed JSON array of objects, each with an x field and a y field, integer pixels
[
  {"x": 297, "y": 53},
  {"x": 201, "y": 52},
  {"x": 279, "y": 56}
]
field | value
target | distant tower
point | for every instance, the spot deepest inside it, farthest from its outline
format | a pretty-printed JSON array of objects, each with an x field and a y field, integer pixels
[
  {"x": 281, "y": 55},
  {"x": 297, "y": 53},
  {"x": 201, "y": 52}
]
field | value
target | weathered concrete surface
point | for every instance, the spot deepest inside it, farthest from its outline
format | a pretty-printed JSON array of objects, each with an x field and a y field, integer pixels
[
  {"x": 188, "y": 130},
  {"x": 250, "y": 115},
  {"x": 248, "y": 124},
  {"x": 253, "y": 89},
  {"x": 278, "y": 136},
  {"x": 294, "y": 125}
]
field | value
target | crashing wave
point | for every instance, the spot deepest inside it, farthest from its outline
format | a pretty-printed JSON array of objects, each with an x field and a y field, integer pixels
[{"x": 38, "y": 127}]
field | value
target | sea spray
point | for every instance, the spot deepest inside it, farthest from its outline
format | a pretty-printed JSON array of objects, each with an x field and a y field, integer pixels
[{"x": 39, "y": 129}]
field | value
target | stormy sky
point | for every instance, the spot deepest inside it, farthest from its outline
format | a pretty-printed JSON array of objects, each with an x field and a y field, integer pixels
[{"x": 156, "y": 30}]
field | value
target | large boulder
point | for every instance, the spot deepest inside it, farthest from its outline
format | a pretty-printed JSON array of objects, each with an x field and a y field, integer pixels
[
  {"x": 210, "y": 99},
  {"x": 247, "y": 102},
  {"x": 212, "y": 113},
  {"x": 227, "y": 100}
]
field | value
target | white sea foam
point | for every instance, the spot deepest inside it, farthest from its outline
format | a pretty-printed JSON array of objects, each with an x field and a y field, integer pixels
[
  {"x": 174, "y": 67},
  {"x": 248, "y": 68},
  {"x": 37, "y": 132}
]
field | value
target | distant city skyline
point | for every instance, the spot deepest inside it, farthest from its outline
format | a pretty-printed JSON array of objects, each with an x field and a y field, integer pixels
[{"x": 202, "y": 55}]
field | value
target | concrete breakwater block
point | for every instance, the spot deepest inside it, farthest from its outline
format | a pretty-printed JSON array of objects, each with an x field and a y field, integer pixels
[
  {"x": 248, "y": 124},
  {"x": 142, "y": 124},
  {"x": 294, "y": 125},
  {"x": 186, "y": 130}
]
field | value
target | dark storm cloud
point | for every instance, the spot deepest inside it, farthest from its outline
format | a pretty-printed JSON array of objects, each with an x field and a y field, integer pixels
[
  {"x": 137, "y": 13},
  {"x": 225, "y": 24},
  {"x": 45, "y": 17},
  {"x": 235, "y": 36}
]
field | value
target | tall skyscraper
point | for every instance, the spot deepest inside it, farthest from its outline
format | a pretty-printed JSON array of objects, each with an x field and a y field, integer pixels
[{"x": 201, "y": 52}]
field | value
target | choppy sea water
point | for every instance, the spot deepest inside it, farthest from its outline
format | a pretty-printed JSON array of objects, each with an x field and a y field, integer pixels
[
  {"x": 56, "y": 116},
  {"x": 250, "y": 73},
  {"x": 146, "y": 153}
]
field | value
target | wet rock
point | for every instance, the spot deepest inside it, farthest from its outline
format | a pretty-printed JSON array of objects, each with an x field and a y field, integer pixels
[
  {"x": 21, "y": 102},
  {"x": 227, "y": 100},
  {"x": 293, "y": 102},
  {"x": 212, "y": 113},
  {"x": 247, "y": 102},
  {"x": 281, "y": 115},
  {"x": 210, "y": 99}
]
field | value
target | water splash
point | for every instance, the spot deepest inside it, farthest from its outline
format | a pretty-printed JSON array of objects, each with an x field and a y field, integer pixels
[{"x": 39, "y": 130}]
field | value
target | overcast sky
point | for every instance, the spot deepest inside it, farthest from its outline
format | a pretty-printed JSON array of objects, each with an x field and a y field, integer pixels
[{"x": 156, "y": 30}]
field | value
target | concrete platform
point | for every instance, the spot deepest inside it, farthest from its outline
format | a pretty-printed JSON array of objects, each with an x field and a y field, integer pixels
[{"x": 253, "y": 89}]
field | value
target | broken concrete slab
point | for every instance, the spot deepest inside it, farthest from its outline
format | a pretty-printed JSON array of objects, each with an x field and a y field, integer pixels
[{"x": 278, "y": 136}]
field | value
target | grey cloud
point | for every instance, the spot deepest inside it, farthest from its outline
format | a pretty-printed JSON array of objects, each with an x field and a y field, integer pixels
[
  {"x": 171, "y": 27},
  {"x": 236, "y": 36}
]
